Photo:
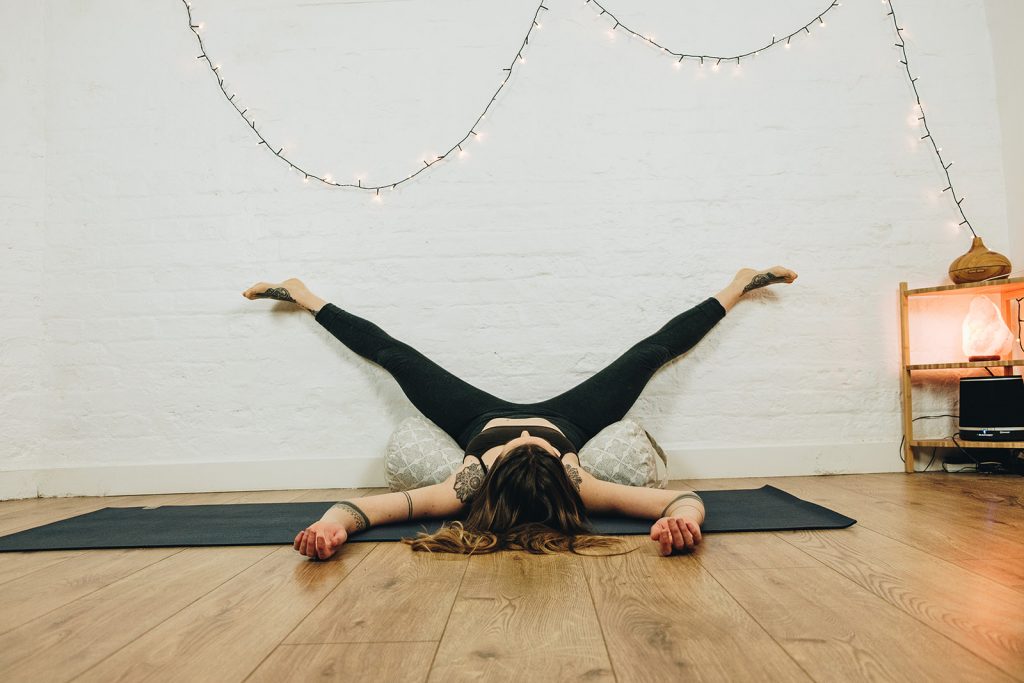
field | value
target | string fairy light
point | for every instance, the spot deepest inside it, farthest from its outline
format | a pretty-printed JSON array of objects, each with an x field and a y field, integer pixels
[
  {"x": 473, "y": 133},
  {"x": 519, "y": 59},
  {"x": 905, "y": 61},
  {"x": 358, "y": 185},
  {"x": 717, "y": 59}
]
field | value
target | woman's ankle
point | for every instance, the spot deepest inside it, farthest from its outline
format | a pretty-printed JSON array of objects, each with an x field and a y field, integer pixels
[{"x": 306, "y": 299}]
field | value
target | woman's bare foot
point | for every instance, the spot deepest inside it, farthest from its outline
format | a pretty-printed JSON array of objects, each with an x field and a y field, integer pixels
[
  {"x": 292, "y": 290},
  {"x": 755, "y": 279},
  {"x": 748, "y": 279}
]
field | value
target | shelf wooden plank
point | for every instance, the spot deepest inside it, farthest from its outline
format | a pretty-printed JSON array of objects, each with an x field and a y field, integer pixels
[
  {"x": 1004, "y": 286},
  {"x": 949, "y": 443},
  {"x": 975, "y": 364}
]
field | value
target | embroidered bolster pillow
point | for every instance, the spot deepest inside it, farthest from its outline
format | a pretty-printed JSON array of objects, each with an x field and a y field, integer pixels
[{"x": 420, "y": 453}]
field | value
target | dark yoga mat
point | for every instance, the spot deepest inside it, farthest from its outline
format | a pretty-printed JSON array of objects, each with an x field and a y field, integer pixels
[{"x": 763, "y": 509}]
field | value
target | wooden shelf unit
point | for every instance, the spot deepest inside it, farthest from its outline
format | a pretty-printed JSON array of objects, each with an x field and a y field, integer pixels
[
  {"x": 1007, "y": 290},
  {"x": 949, "y": 443}
]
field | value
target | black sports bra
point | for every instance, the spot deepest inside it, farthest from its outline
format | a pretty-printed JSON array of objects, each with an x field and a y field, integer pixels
[{"x": 497, "y": 436}]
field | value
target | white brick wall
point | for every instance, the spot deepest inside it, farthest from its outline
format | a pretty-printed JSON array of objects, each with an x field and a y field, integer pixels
[{"x": 610, "y": 192}]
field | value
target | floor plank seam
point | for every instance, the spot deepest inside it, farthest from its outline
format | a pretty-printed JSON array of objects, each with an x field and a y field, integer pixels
[
  {"x": 597, "y": 617},
  {"x": 171, "y": 616},
  {"x": 8, "y": 531},
  {"x": 82, "y": 597},
  {"x": 919, "y": 620},
  {"x": 355, "y": 642},
  {"x": 298, "y": 623},
  {"x": 987, "y": 577},
  {"x": 433, "y": 660},
  {"x": 759, "y": 624},
  {"x": 30, "y": 573}
]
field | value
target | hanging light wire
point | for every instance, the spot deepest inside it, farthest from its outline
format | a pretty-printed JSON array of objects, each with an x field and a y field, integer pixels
[
  {"x": 718, "y": 59},
  {"x": 905, "y": 61},
  {"x": 518, "y": 59},
  {"x": 326, "y": 178}
]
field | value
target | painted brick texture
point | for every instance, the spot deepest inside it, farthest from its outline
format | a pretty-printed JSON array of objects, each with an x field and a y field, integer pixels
[{"x": 609, "y": 192}]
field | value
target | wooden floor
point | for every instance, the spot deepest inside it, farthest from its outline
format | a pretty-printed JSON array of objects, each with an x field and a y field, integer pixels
[{"x": 928, "y": 586}]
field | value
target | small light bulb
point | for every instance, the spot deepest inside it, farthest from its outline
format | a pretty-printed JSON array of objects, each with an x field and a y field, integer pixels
[
  {"x": 787, "y": 46},
  {"x": 540, "y": 25},
  {"x": 202, "y": 25},
  {"x": 677, "y": 65},
  {"x": 377, "y": 198},
  {"x": 462, "y": 153},
  {"x": 327, "y": 177},
  {"x": 306, "y": 179}
]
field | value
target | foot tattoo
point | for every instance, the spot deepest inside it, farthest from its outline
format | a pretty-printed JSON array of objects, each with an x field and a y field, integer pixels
[
  {"x": 762, "y": 280},
  {"x": 279, "y": 293}
]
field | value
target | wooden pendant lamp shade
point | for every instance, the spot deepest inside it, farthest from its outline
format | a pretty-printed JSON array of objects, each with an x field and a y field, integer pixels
[{"x": 978, "y": 264}]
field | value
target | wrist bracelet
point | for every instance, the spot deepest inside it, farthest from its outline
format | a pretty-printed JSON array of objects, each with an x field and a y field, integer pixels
[
  {"x": 362, "y": 521},
  {"x": 689, "y": 494},
  {"x": 687, "y": 505}
]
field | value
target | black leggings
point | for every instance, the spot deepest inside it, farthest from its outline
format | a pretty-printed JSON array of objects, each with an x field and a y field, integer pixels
[{"x": 462, "y": 410}]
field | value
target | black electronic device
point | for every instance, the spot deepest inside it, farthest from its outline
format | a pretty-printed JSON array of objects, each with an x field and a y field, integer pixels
[{"x": 992, "y": 408}]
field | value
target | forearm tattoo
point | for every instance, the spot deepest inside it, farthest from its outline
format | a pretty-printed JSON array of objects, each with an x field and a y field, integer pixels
[
  {"x": 468, "y": 482},
  {"x": 574, "y": 476},
  {"x": 409, "y": 499},
  {"x": 680, "y": 497},
  {"x": 279, "y": 293},
  {"x": 763, "y": 279},
  {"x": 362, "y": 521}
]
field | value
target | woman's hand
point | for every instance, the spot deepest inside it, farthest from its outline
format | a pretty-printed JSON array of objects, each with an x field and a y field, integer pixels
[
  {"x": 321, "y": 539},
  {"x": 677, "y": 533}
]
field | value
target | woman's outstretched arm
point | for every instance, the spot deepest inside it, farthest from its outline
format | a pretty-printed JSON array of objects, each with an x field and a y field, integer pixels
[
  {"x": 352, "y": 516},
  {"x": 677, "y": 514}
]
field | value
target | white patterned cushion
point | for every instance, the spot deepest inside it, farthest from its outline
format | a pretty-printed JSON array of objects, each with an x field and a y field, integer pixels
[
  {"x": 420, "y": 453},
  {"x": 625, "y": 453}
]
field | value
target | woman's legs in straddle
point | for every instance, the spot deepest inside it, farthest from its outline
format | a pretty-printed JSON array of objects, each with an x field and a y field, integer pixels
[
  {"x": 607, "y": 396},
  {"x": 455, "y": 405},
  {"x": 443, "y": 398}
]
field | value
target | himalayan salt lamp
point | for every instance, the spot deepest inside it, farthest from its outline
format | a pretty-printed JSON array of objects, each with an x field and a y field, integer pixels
[
  {"x": 986, "y": 336},
  {"x": 978, "y": 264}
]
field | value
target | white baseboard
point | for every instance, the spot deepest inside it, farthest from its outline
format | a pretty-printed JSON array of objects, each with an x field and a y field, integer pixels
[
  {"x": 686, "y": 462},
  {"x": 259, "y": 475},
  {"x": 264, "y": 475}
]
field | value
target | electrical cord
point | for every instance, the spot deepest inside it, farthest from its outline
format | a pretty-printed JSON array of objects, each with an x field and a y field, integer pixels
[
  {"x": 1020, "y": 322},
  {"x": 935, "y": 449},
  {"x": 995, "y": 465}
]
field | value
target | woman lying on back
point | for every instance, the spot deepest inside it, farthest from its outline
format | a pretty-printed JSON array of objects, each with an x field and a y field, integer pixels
[{"x": 524, "y": 487}]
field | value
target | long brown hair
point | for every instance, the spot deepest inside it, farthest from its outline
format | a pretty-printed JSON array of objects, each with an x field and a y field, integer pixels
[{"x": 526, "y": 502}]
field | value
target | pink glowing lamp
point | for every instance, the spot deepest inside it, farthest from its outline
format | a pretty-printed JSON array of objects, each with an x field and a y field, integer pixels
[{"x": 986, "y": 336}]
